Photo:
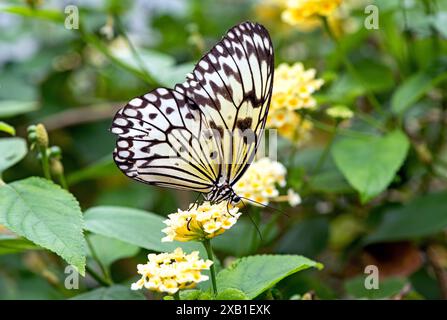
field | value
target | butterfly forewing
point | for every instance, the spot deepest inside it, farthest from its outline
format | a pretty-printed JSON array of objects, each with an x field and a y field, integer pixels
[
  {"x": 206, "y": 130},
  {"x": 232, "y": 86}
]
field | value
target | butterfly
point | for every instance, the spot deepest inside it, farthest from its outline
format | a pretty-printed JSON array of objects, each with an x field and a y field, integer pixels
[{"x": 203, "y": 134}]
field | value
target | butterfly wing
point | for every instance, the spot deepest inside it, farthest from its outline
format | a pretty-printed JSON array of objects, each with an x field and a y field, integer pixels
[
  {"x": 168, "y": 137},
  {"x": 161, "y": 141},
  {"x": 232, "y": 85}
]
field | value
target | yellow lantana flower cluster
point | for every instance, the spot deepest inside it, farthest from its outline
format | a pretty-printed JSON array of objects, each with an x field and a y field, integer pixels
[
  {"x": 200, "y": 222},
  {"x": 293, "y": 87},
  {"x": 260, "y": 180},
  {"x": 305, "y": 14},
  {"x": 170, "y": 272}
]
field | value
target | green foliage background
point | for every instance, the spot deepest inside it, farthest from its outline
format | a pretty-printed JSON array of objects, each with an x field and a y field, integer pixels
[{"x": 378, "y": 198}]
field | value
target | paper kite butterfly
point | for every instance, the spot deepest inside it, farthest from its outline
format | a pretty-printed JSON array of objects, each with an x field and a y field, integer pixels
[{"x": 194, "y": 137}]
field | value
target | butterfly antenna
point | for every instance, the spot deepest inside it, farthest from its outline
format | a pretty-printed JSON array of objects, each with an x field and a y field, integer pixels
[
  {"x": 267, "y": 206},
  {"x": 253, "y": 221}
]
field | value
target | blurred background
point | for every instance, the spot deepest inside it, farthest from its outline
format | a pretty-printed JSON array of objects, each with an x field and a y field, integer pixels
[{"x": 74, "y": 80}]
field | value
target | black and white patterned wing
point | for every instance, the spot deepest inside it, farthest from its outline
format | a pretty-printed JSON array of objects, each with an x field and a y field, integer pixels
[
  {"x": 162, "y": 140},
  {"x": 232, "y": 85}
]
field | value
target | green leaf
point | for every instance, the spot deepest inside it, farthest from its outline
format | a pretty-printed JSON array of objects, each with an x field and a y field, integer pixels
[
  {"x": 154, "y": 62},
  {"x": 410, "y": 91},
  {"x": 13, "y": 244},
  {"x": 375, "y": 76},
  {"x": 116, "y": 292},
  {"x": 109, "y": 250},
  {"x": 231, "y": 294},
  {"x": 102, "y": 168},
  {"x": 190, "y": 294},
  {"x": 230, "y": 242},
  {"x": 4, "y": 127},
  {"x": 12, "y": 150},
  {"x": 133, "y": 226},
  {"x": 308, "y": 237},
  {"x": 330, "y": 181},
  {"x": 44, "y": 213},
  {"x": 344, "y": 229},
  {"x": 175, "y": 74},
  {"x": 193, "y": 294},
  {"x": 255, "y": 274},
  {"x": 421, "y": 217},
  {"x": 387, "y": 288},
  {"x": 439, "y": 21},
  {"x": 370, "y": 163},
  {"x": 51, "y": 15},
  {"x": 12, "y": 108}
]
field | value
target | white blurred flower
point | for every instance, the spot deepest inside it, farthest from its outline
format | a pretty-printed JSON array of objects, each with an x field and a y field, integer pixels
[{"x": 293, "y": 198}]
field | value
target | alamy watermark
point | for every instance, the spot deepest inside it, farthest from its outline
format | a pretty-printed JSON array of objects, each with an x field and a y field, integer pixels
[
  {"x": 72, "y": 17},
  {"x": 372, "y": 279},
  {"x": 72, "y": 278},
  {"x": 372, "y": 20}
]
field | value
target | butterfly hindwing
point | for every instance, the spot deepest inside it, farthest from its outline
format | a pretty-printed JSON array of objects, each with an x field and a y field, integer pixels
[{"x": 161, "y": 142}]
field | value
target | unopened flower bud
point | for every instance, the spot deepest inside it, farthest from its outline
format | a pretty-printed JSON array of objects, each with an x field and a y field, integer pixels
[
  {"x": 55, "y": 152},
  {"x": 32, "y": 137},
  {"x": 57, "y": 168},
  {"x": 31, "y": 128},
  {"x": 42, "y": 136}
]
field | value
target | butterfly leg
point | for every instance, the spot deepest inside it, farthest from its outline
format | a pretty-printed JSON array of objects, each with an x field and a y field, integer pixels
[
  {"x": 228, "y": 209},
  {"x": 195, "y": 203}
]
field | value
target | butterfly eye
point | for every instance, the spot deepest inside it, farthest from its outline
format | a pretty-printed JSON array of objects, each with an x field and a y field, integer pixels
[{"x": 235, "y": 200}]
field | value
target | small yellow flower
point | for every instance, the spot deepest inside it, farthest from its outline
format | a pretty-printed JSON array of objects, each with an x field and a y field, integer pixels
[
  {"x": 260, "y": 180},
  {"x": 340, "y": 112},
  {"x": 305, "y": 14},
  {"x": 293, "y": 88},
  {"x": 199, "y": 223},
  {"x": 170, "y": 272},
  {"x": 259, "y": 183},
  {"x": 290, "y": 125}
]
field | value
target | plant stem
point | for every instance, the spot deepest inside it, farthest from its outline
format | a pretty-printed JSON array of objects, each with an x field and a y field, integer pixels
[
  {"x": 371, "y": 98},
  {"x": 97, "y": 277},
  {"x": 134, "y": 51},
  {"x": 104, "y": 271},
  {"x": 97, "y": 43},
  {"x": 209, "y": 251},
  {"x": 45, "y": 163},
  {"x": 63, "y": 181}
]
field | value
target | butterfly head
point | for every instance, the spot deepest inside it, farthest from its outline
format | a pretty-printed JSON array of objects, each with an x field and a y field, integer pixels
[{"x": 235, "y": 199}]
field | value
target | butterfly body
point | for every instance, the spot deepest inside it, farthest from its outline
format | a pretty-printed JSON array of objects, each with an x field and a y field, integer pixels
[
  {"x": 203, "y": 134},
  {"x": 222, "y": 192}
]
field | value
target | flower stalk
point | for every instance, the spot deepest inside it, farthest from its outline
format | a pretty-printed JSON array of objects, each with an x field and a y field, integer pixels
[
  {"x": 371, "y": 98},
  {"x": 209, "y": 251}
]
